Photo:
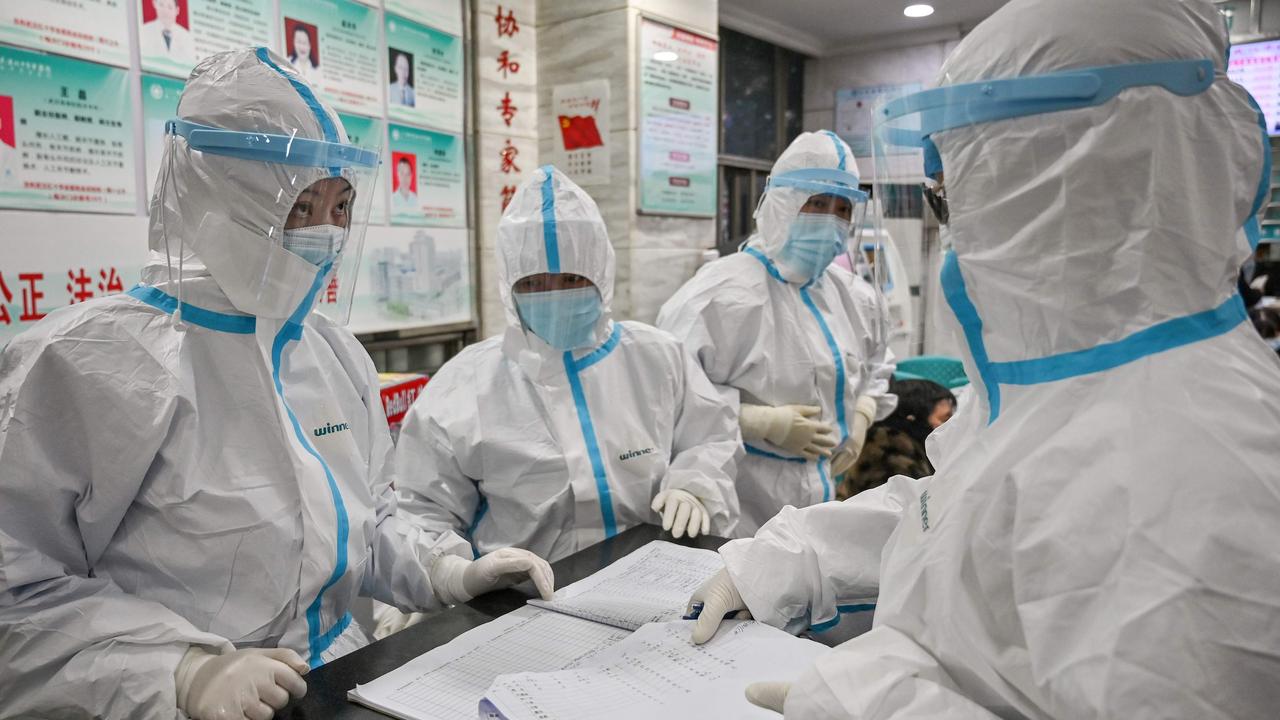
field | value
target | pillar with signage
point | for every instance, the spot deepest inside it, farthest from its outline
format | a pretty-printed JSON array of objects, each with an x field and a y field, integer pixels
[
  {"x": 507, "y": 128},
  {"x": 629, "y": 110}
]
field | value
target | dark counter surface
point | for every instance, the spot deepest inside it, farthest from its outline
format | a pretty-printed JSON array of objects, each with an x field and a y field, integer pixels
[{"x": 327, "y": 686}]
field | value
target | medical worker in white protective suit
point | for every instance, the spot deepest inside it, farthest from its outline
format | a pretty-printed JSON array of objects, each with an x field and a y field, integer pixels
[
  {"x": 569, "y": 427},
  {"x": 1099, "y": 540},
  {"x": 800, "y": 343},
  {"x": 190, "y": 502}
]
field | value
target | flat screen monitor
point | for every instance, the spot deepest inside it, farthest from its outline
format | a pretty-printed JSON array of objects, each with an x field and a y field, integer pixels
[{"x": 1256, "y": 66}]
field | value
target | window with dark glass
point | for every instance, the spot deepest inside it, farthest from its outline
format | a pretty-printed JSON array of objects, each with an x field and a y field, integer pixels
[{"x": 761, "y": 112}]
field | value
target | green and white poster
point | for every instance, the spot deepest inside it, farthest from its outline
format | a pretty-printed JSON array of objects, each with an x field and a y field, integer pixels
[
  {"x": 334, "y": 45},
  {"x": 66, "y": 135},
  {"x": 174, "y": 35},
  {"x": 159, "y": 105},
  {"x": 678, "y": 121},
  {"x": 410, "y": 277},
  {"x": 95, "y": 30},
  {"x": 428, "y": 177},
  {"x": 367, "y": 132},
  {"x": 443, "y": 15},
  {"x": 425, "y": 71}
]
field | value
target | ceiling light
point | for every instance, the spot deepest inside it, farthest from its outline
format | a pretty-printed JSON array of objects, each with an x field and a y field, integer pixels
[
  {"x": 665, "y": 56},
  {"x": 918, "y": 11}
]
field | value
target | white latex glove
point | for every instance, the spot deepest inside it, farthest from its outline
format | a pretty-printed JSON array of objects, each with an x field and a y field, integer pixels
[
  {"x": 389, "y": 620},
  {"x": 790, "y": 427},
  {"x": 846, "y": 457},
  {"x": 251, "y": 683},
  {"x": 456, "y": 580},
  {"x": 770, "y": 695},
  {"x": 719, "y": 597},
  {"x": 682, "y": 513}
]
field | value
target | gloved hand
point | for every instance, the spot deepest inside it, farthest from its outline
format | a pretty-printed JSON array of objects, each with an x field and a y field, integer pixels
[
  {"x": 388, "y": 620},
  {"x": 770, "y": 695},
  {"x": 719, "y": 597},
  {"x": 790, "y": 427},
  {"x": 456, "y": 580},
  {"x": 251, "y": 683},
  {"x": 864, "y": 413},
  {"x": 682, "y": 513}
]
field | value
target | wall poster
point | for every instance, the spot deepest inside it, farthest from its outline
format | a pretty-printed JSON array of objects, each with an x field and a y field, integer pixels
[{"x": 678, "y": 121}]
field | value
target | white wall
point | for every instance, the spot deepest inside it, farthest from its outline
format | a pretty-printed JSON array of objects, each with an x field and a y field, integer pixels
[{"x": 826, "y": 75}]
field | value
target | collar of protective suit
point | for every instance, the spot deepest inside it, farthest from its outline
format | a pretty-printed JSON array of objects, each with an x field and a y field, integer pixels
[
  {"x": 228, "y": 213},
  {"x": 551, "y": 226},
  {"x": 1080, "y": 228}
]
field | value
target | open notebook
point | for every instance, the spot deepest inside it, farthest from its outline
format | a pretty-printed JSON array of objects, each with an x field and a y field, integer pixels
[
  {"x": 652, "y": 584},
  {"x": 658, "y": 672}
]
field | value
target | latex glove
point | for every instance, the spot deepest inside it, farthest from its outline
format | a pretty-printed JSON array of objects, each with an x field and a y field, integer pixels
[
  {"x": 719, "y": 597},
  {"x": 457, "y": 580},
  {"x": 251, "y": 683},
  {"x": 682, "y": 513},
  {"x": 389, "y": 620},
  {"x": 770, "y": 695},
  {"x": 846, "y": 457},
  {"x": 790, "y": 427}
]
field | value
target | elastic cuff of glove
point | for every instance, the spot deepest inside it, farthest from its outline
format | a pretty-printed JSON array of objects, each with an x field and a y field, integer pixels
[
  {"x": 447, "y": 579},
  {"x": 188, "y": 666},
  {"x": 866, "y": 407},
  {"x": 751, "y": 418},
  {"x": 681, "y": 494}
]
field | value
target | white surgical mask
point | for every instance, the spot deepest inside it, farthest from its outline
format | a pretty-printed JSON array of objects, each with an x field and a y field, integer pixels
[{"x": 318, "y": 244}]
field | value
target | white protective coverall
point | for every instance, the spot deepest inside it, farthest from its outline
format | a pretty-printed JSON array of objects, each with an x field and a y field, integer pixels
[
  {"x": 518, "y": 445},
  {"x": 1099, "y": 540},
  {"x": 767, "y": 337},
  {"x": 223, "y": 481}
]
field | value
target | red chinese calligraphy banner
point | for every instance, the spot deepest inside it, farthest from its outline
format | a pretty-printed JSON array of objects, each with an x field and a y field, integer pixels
[{"x": 52, "y": 260}]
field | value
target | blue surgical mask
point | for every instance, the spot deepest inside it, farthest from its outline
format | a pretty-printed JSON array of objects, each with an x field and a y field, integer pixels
[
  {"x": 318, "y": 244},
  {"x": 564, "y": 319},
  {"x": 1274, "y": 343},
  {"x": 813, "y": 241}
]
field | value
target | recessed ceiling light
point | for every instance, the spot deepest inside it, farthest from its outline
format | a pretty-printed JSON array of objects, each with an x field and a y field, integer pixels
[
  {"x": 665, "y": 56},
  {"x": 918, "y": 11}
]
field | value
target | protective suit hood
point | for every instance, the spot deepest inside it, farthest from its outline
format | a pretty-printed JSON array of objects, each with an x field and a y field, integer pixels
[
  {"x": 551, "y": 226},
  {"x": 226, "y": 213},
  {"x": 781, "y": 204},
  {"x": 1076, "y": 230}
]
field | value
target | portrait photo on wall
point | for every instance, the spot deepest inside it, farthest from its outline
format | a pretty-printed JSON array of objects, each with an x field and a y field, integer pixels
[
  {"x": 166, "y": 30},
  {"x": 302, "y": 46},
  {"x": 404, "y": 182},
  {"x": 400, "y": 92},
  {"x": 8, "y": 143}
]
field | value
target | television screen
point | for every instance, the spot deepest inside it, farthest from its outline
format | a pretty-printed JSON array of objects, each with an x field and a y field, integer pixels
[{"x": 1256, "y": 66}]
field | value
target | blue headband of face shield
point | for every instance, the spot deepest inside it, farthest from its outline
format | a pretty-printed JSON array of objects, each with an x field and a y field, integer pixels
[
  {"x": 955, "y": 106},
  {"x": 820, "y": 181},
  {"x": 268, "y": 147}
]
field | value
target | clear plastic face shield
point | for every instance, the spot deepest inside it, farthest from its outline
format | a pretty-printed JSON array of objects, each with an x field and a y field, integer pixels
[
  {"x": 913, "y": 189},
  {"x": 306, "y": 203},
  {"x": 826, "y": 213},
  {"x": 906, "y": 127}
]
